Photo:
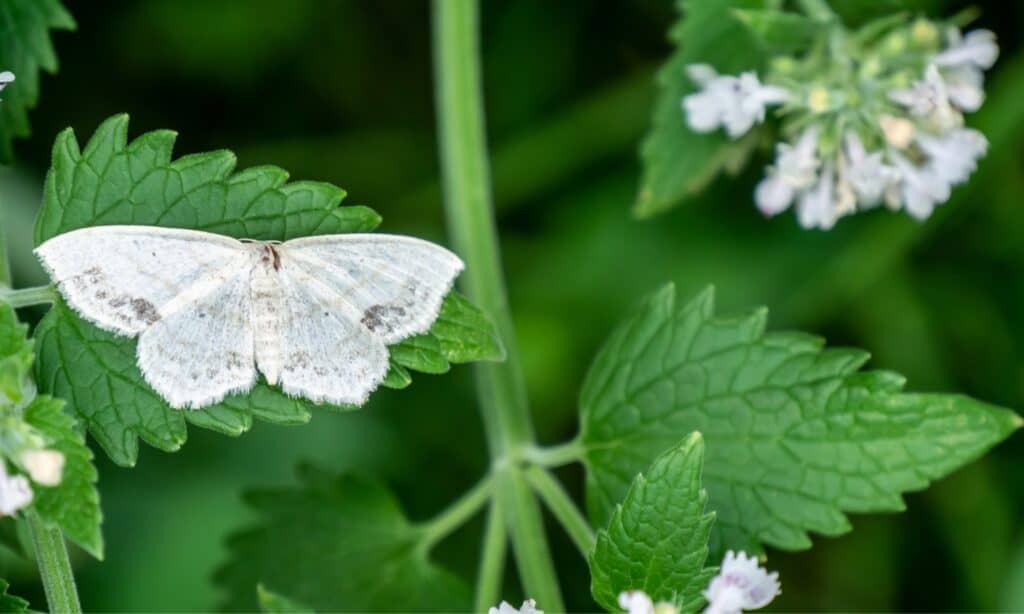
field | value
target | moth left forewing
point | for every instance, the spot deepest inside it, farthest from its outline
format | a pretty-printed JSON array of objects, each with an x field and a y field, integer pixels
[
  {"x": 393, "y": 285},
  {"x": 123, "y": 278}
]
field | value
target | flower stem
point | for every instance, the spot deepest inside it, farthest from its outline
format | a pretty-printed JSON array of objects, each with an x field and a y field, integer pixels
[
  {"x": 456, "y": 515},
  {"x": 564, "y": 509},
  {"x": 470, "y": 218},
  {"x": 54, "y": 566},
  {"x": 26, "y": 297},
  {"x": 554, "y": 456},
  {"x": 492, "y": 561}
]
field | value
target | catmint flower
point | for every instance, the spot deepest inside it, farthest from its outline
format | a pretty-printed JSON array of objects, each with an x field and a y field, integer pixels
[
  {"x": 638, "y": 602},
  {"x": 954, "y": 155},
  {"x": 741, "y": 584},
  {"x": 43, "y": 466},
  {"x": 795, "y": 169},
  {"x": 929, "y": 99},
  {"x": 15, "y": 492},
  {"x": 866, "y": 172},
  {"x": 977, "y": 49},
  {"x": 921, "y": 188},
  {"x": 529, "y": 607},
  {"x": 734, "y": 103}
]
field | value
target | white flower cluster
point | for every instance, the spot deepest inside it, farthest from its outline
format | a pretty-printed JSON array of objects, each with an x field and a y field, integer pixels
[
  {"x": 741, "y": 584},
  {"x": 886, "y": 137}
]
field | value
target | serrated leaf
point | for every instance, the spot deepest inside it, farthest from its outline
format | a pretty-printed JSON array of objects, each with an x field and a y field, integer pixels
[
  {"x": 15, "y": 360},
  {"x": 273, "y": 603},
  {"x": 780, "y": 31},
  {"x": 337, "y": 544},
  {"x": 795, "y": 434},
  {"x": 678, "y": 162},
  {"x": 465, "y": 332},
  {"x": 73, "y": 505},
  {"x": 113, "y": 181},
  {"x": 11, "y": 603},
  {"x": 398, "y": 377},
  {"x": 657, "y": 539},
  {"x": 25, "y": 50}
]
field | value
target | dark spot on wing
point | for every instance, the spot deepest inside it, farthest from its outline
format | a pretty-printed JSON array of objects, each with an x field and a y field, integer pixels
[
  {"x": 144, "y": 310},
  {"x": 377, "y": 316}
]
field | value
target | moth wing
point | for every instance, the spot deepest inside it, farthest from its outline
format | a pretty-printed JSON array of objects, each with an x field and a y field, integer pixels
[
  {"x": 125, "y": 278},
  {"x": 204, "y": 350},
  {"x": 326, "y": 354},
  {"x": 393, "y": 284}
]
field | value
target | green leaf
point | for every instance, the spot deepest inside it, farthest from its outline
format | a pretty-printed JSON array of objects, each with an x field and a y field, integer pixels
[
  {"x": 796, "y": 435},
  {"x": 11, "y": 603},
  {"x": 678, "y": 162},
  {"x": 25, "y": 49},
  {"x": 73, "y": 505},
  {"x": 465, "y": 332},
  {"x": 112, "y": 181},
  {"x": 657, "y": 539},
  {"x": 277, "y": 604},
  {"x": 780, "y": 32},
  {"x": 16, "y": 386},
  {"x": 337, "y": 544}
]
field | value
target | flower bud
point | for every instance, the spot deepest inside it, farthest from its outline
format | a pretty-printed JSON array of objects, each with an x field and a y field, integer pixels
[{"x": 45, "y": 467}]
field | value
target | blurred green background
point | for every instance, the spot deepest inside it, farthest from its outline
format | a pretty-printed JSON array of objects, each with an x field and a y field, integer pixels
[{"x": 341, "y": 91}]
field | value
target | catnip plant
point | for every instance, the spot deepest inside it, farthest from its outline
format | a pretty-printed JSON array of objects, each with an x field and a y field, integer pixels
[{"x": 186, "y": 293}]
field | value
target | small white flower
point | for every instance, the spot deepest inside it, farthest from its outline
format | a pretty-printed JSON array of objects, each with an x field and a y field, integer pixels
[
  {"x": 15, "y": 492},
  {"x": 638, "y": 602},
  {"x": 866, "y": 173},
  {"x": 816, "y": 207},
  {"x": 954, "y": 155},
  {"x": 921, "y": 187},
  {"x": 5, "y": 78},
  {"x": 43, "y": 466},
  {"x": 978, "y": 49},
  {"x": 740, "y": 585},
  {"x": 795, "y": 169},
  {"x": 929, "y": 99},
  {"x": 965, "y": 86},
  {"x": 734, "y": 103},
  {"x": 529, "y": 607}
]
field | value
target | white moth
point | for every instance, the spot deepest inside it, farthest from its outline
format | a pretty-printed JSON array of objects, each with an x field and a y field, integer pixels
[{"x": 314, "y": 315}]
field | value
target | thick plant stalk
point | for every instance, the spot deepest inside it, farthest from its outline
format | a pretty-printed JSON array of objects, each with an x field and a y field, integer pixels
[
  {"x": 54, "y": 566},
  {"x": 470, "y": 217}
]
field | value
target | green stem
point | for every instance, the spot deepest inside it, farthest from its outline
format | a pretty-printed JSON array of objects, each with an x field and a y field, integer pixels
[
  {"x": 492, "y": 561},
  {"x": 563, "y": 508},
  {"x": 456, "y": 515},
  {"x": 26, "y": 297},
  {"x": 554, "y": 456},
  {"x": 470, "y": 218},
  {"x": 54, "y": 566}
]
